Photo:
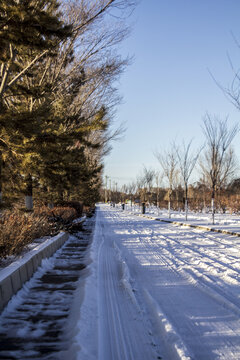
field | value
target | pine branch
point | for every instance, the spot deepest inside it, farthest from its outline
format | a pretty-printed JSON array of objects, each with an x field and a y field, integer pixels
[
  {"x": 6, "y": 70},
  {"x": 38, "y": 57}
]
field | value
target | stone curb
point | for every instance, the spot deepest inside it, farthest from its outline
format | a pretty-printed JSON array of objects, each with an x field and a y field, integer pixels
[
  {"x": 201, "y": 227},
  {"x": 16, "y": 274}
]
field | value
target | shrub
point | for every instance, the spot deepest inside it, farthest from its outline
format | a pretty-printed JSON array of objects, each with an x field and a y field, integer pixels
[
  {"x": 77, "y": 205},
  {"x": 64, "y": 215},
  {"x": 18, "y": 228}
]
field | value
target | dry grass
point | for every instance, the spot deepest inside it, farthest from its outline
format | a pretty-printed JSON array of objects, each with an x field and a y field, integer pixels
[{"x": 18, "y": 229}]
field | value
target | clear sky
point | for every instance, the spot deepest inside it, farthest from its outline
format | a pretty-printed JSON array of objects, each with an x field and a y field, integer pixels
[{"x": 168, "y": 89}]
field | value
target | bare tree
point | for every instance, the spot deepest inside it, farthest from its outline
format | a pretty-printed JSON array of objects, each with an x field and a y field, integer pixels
[
  {"x": 158, "y": 178},
  {"x": 148, "y": 175},
  {"x": 168, "y": 162},
  {"x": 177, "y": 186},
  {"x": 141, "y": 185},
  {"x": 124, "y": 191},
  {"x": 187, "y": 161},
  {"x": 217, "y": 162},
  {"x": 131, "y": 190},
  {"x": 232, "y": 91},
  {"x": 140, "y": 189}
]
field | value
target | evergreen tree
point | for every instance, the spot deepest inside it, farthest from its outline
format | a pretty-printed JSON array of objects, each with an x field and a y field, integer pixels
[
  {"x": 29, "y": 30},
  {"x": 56, "y": 95},
  {"x": 27, "y": 26}
]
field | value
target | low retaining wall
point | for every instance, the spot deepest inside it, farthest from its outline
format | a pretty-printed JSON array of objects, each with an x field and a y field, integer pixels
[{"x": 16, "y": 274}]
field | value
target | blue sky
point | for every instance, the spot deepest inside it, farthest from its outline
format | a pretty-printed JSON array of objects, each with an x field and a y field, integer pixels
[{"x": 168, "y": 89}]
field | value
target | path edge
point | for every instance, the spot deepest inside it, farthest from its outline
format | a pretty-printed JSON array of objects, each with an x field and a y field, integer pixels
[{"x": 16, "y": 274}]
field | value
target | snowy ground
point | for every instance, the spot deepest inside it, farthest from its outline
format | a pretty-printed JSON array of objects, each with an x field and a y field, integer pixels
[
  {"x": 157, "y": 290},
  {"x": 151, "y": 290},
  {"x": 227, "y": 221}
]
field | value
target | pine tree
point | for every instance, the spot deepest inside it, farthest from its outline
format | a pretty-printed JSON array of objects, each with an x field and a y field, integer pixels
[
  {"x": 63, "y": 166},
  {"x": 53, "y": 125},
  {"x": 27, "y": 26},
  {"x": 29, "y": 31}
]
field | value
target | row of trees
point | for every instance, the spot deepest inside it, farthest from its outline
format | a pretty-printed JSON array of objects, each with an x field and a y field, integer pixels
[
  {"x": 58, "y": 65},
  {"x": 216, "y": 165}
]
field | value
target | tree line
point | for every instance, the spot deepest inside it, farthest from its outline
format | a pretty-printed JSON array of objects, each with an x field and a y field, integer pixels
[
  {"x": 216, "y": 188},
  {"x": 58, "y": 68}
]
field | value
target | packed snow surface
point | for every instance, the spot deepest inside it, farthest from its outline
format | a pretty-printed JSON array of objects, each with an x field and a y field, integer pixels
[{"x": 159, "y": 291}]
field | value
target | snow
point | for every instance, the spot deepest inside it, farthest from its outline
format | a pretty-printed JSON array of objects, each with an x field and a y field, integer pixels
[
  {"x": 227, "y": 221},
  {"x": 16, "y": 300},
  {"x": 151, "y": 290},
  {"x": 157, "y": 290},
  {"x": 79, "y": 220},
  {"x": 41, "y": 317}
]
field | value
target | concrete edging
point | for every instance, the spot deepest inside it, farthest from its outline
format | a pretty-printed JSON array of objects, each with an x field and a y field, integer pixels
[
  {"x": 201, "y": 227},
  {"x": 16, "y": 274}
]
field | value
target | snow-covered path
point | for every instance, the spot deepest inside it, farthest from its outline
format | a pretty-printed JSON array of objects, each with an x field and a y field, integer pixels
[
  {"x": 122, "y": 332},
  {"x": 163, "y": 291}
]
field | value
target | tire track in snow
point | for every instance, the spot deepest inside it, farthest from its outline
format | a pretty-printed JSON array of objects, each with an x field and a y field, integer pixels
[
  {"x": 216, "y": 238},
  {"x": 208, "y": 283},
  {"x": 198, "y": 276},
  {"x": 226, "y": 329},
  {"x": 201, "y": 251},
  {"x": 202, "y": 281},
  {"x": 113, "y": 344},
  {"x": 122, "y": 335}
]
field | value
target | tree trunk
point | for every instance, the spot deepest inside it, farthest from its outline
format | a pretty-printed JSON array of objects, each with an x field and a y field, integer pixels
[
  {"x": 169, "y": 203},
  {"x": 213, "y": 205},
  {"x": 144, "y": 195},
  {"x": 186, "y": 202},
  {"x": 29, "y": 192},
  {"x": 186, "y": 209},
  {"x": 213, "y": 210}
]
